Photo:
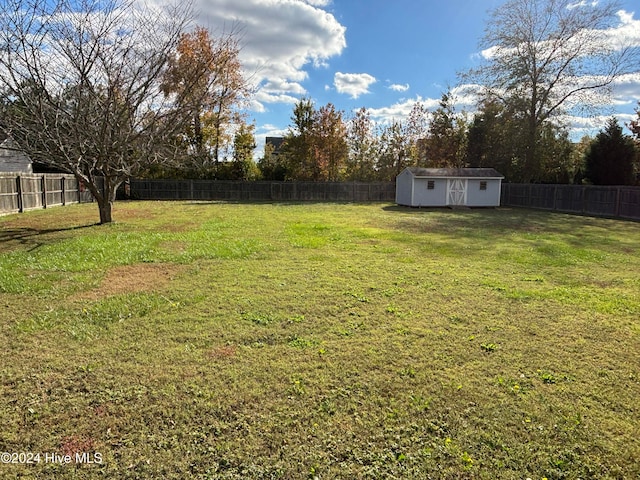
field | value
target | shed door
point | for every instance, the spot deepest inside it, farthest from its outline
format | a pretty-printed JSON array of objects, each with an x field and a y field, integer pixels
[{"x": 457, "y": 191}]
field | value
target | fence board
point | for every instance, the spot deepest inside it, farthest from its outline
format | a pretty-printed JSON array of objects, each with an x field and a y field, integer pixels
[{"x": 9, "y": 201}]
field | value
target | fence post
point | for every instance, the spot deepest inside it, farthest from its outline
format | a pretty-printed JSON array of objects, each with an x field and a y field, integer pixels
[
  {"x": 43, "y": 182},
  {"x": 19, "y": 192},
  {"x": 62, "y": 191},
  {"x": 618, "y": 201}
]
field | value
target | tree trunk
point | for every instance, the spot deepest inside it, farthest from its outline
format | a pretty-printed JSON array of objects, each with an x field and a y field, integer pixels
[
  {"x": 104, "y": 206},
  {"x": 104, "y": 191}
]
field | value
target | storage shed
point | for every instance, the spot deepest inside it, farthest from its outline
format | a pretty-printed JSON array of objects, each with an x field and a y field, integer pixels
[{"x": 442, "y": 187}]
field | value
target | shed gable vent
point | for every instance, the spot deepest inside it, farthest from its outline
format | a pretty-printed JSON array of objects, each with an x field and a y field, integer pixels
[
  {"x": 431, "y": 184},
  {"x": 483, "y": 185}
]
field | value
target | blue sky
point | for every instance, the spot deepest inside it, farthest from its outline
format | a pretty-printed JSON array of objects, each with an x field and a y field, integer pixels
[{"x": 379, "y": 54}]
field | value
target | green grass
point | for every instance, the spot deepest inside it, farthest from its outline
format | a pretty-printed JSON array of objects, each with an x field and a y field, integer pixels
[{"x": 226, "y": 340}]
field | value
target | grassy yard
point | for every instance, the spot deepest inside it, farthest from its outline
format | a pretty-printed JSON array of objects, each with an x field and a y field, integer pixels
[{"x": 213, "y": 340}]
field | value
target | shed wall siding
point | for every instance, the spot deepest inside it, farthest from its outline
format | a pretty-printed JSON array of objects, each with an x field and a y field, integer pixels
[
  {"x": 404, "y": 188},
  {"x": 483, "y": 198},
  {"x": 423, "y": 197}
]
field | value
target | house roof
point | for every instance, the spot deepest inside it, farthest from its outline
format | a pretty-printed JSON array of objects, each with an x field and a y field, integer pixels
[{"x": 455, "y": 172}]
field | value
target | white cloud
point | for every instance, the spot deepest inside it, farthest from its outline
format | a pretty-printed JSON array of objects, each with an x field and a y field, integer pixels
[
  {"x": 353, "y": 84},
  {"x": 280, "y": 38},
  {"x": 400, "y": 111},
  {"x": 623, "y": 91},
  {"x": 279, "y": 85},
  {"x": 399, "y": 88},
  {"x": 580, "y": 126},
  {"x": 465, "y": 98},
  {"x": 263, "y": 96},
  {"x": 626, "y": 33},
  {"x": 318, "y": 3},
  {"x": 626, "y": 88},
  {"x": 582, "y": 3},
  {"x": 276, "y": 91}
]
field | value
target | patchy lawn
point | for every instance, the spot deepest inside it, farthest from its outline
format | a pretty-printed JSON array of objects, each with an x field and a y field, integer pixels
[{"x": 230, "y": 340}]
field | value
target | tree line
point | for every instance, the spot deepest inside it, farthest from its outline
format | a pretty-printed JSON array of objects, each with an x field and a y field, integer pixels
[{"x": 323, "y": 145}]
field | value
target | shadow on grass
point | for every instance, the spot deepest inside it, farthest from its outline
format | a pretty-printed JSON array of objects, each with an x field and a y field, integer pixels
[
  {"x": 32, "y": 237},
  {"x": 279, "y": 203},
  {"x": 497, "y": 223}
]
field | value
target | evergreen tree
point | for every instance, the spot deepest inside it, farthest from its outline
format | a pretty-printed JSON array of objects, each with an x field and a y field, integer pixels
[
  {"x": 272, "y": 165},
  {"x": 297, "y": 149},
  {"x": 611, "y": 157},
  {"x": 445, "y": 142}
]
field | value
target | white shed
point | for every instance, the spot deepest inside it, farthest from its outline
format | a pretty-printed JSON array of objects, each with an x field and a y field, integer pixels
[
  {"x": 12, "y": 159},
  {"x": 442, "y": 187}
]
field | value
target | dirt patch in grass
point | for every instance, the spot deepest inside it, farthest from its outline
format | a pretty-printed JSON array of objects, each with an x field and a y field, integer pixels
[{"x": 141, "y": 277}]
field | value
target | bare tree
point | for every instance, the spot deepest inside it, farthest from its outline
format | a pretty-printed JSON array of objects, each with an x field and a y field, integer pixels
[
  {"x": 81, "y": 87},
  {"x": 545, "y": 55}
]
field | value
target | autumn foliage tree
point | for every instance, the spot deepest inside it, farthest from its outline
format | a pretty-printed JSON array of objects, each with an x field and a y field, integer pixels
[
  {"x": 394, "y": 151},
  {"x": 315, "y": 147},
  {"x": 494, "y": 140},
  {"x": 363, "y": 144},
  {"x": 416, "y": 130},
  {"x": 330, "y": 147},
  {"x": 244, "y": 143},
  {"x": 207, "y": 71}
]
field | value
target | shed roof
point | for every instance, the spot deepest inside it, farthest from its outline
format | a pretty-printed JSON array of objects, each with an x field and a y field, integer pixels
[{"x": 455, "y": 172}]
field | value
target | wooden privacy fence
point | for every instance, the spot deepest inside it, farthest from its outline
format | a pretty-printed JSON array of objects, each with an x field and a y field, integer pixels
[
  {"x": 27, "y": 192},
  {"x": 621, "y": 202},
  {"x": 262, "y": 191}
]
